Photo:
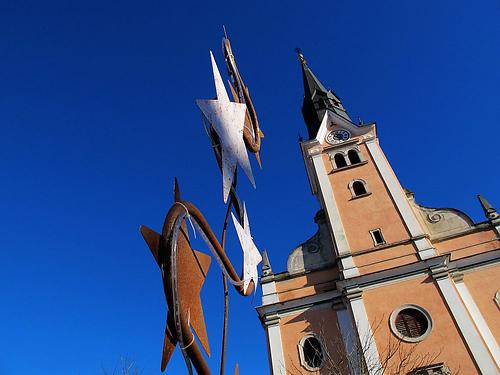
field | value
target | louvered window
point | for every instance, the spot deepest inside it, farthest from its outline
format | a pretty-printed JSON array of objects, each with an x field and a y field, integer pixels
[{"x": 411, "y": 323}]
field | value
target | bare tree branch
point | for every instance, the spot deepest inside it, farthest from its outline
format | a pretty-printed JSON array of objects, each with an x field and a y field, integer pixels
[
  {"x": 350, "y": 355},
  {"x": 125, "y": 366}
]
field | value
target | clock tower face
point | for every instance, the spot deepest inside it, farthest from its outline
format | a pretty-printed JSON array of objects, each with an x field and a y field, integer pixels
[{"x": 337, "y": 136}]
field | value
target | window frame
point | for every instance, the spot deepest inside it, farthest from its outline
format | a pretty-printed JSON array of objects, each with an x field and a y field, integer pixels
[
  {"x": 392, "y": 323},
  {"x": 344, "y": 150},
  {"x": 358, "y": 154},
  {"x": 432, "y": 369},
  {"x": 302, "y": 358},
  {"x": 351, "y": 188},
  {"x": 334, "y": 162},
  {"x": 372, "y": 233}
]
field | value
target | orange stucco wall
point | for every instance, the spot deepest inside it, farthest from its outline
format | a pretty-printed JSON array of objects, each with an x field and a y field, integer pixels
[
  {"x": 482, "y": 285},
  {"x": 444, "y": 340},
  {"x": 469, "y": 244},
  {"x": 385, "y": 258},
  {"x": 307, "y": 285},
  {"x": 321, "y": 321},
  {"x": 361, "y": 215}
]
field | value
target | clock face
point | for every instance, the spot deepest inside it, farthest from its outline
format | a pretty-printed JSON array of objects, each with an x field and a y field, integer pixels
[{"x": 337, "y": 136}]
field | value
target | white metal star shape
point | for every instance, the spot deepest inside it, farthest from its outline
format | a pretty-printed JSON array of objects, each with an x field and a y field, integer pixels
[
  {"x": 251, "y": 255},
  {"x": 228, "y": 120}
]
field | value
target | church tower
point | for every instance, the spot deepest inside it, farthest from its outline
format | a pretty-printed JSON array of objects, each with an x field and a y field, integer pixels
[{"x": 385, "y": 285}]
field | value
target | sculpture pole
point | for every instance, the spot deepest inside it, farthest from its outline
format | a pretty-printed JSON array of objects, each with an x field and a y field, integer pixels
[{"x": 233, "y": 130}]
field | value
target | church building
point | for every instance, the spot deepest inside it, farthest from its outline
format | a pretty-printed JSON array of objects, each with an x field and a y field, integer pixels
[{"x": 385, "y": 286}]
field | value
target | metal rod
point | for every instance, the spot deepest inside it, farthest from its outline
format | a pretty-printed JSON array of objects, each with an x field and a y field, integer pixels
[
  {"x": 226, "y": 293},
  {"x": 178, "y": 212}
]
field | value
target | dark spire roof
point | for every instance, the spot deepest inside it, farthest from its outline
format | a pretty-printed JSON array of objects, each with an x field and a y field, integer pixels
[
  {"x": 489, "y": 211},
  {"x": 317, "y": 100},
  {"x": 266, "y": 265}
]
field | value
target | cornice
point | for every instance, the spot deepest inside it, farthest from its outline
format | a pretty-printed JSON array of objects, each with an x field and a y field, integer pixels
[
  {"x": 408, "y": 241},
  {"x": 392, "y": 275},
  {"x": 479, "y": 227},
  {"x": 298, "y": 304}
]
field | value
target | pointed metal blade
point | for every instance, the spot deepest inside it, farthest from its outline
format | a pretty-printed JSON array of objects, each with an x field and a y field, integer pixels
[
  {"x": 152, "y": 239},
  {"x": 220, "y": 89},
  {"x": 169, "y": 343},
  {"x": 177, "y": 192}
]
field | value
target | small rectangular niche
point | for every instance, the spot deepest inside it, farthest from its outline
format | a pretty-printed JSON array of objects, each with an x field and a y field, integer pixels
[{"x": 377, "y": 237}]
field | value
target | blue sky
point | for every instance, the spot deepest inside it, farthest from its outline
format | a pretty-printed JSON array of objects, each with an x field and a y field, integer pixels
[{"x": 97, "y": 116}]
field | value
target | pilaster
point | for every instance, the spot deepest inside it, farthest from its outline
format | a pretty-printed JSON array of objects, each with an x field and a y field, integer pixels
[
  {"x": 353, "y": 296},
  {"x": 424, "y": 247},
  {"x": 327, "y": 199},
  {"x": 496, "y": 225},
  {"x": 269, "y": 293},
  {"x": 477, "y": 317},
  {"x": 349, "y": 336},
  {"x": 277, "y": 357},
  {"x": 463, "y": 321}
]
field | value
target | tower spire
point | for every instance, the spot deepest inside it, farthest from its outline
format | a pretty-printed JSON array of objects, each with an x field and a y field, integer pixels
[
  {"x": 489, "y": 211},
  {"x": 266, "y": 265},
  {"x": 317, "y": 99}
]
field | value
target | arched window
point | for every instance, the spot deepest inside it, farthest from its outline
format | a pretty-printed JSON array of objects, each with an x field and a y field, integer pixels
[
  {"x": 339, "y": 161},
  {"x": 353, "y": 157},
  {"x": 311, "y": 353},
  {"x": 358, "y": 188}
]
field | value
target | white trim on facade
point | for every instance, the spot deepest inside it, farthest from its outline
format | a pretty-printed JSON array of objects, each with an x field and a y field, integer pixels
[
  {"x": 275, "y": 347},
  {"x": 269, "y": 293},
  {"x": 346, "y": 326},
  {"x": 472, "y": 338},
  {"x": 497, "y": 228},
  {"x": 365, "y": 334},
  {"x": 297, "y": 304},
  {"x": 326, "y": 193},
  {"x": 424, "y": 247},
  {"x": 478, "y": 319},
  {"x": 349, "y": 269},
  {"x": 332, "y": 121}
]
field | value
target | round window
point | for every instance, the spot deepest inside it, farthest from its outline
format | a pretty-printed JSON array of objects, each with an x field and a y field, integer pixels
[
  {"x": 411, "y": 323},
  {"x": 311, "y": 353}
]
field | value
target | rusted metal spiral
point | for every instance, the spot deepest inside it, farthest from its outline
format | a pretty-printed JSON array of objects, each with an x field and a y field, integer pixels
[
  {"x": 252, "y": 133},
  {"x": 197, "y": 217},
  {"x": 172, "y": 252},
  {"x": 184, "y": 269}
]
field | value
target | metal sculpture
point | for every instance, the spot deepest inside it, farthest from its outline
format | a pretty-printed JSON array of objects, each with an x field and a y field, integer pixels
[
  {"x": 251, "y": 256},
  {"x": 228, "y": 120},
  {"x": 233, "y": 129},
  {"x": 252, "y": 134}
]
